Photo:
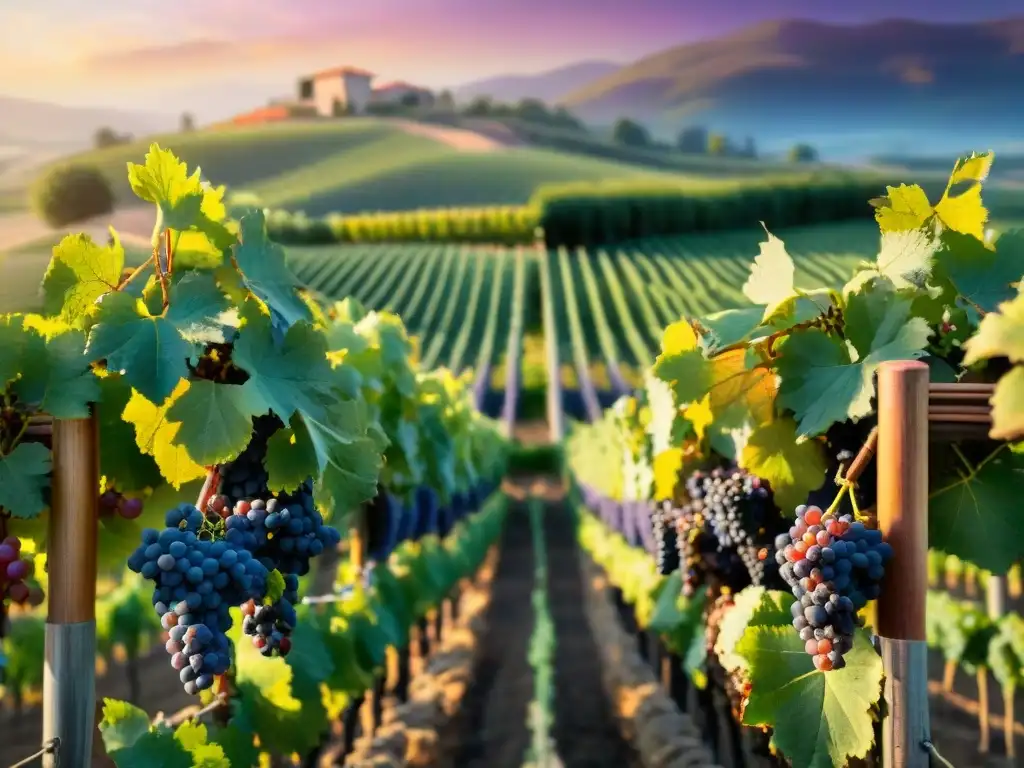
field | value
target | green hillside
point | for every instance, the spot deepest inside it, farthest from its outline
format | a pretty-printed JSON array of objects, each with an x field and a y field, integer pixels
[{"x": 366, "y": 164}]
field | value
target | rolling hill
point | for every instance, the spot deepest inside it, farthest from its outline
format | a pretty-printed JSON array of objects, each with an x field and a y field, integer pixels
[
  {"x": 889, "y": 86},
  {"x": 547, "y": 86},
  {"x": 371, "y": 164}
]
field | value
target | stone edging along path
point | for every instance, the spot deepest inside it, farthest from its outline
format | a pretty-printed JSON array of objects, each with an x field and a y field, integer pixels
[
  {"x": 662, "y": 735},
  {"x": 416, "y": 733}
]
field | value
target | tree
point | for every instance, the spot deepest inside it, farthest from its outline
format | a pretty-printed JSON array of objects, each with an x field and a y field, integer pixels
[
  {"x": 749, "y": 148},
  {"x": 445, "y": 101},
  {"x": 630, "y": 133},
  {"x": 107, "y": 137},
  {"x": 718, "y": 144},
  {"x": 68, "y": 194},
  {"x": 693, "y": 139},
  {"x": 532, "y": 111},
  {"x": 188, "y": 123},
  {"x": 802, "y": 153},
  {"x": 481, "y": 106}
]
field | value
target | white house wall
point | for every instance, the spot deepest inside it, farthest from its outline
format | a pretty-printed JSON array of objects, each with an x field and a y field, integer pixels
[
  {"x": 358, "y": 92},
  {"x": 325, "y": 92}
]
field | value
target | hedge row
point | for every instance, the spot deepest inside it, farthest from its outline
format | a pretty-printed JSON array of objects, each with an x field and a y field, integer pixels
[
  {"x": 595, "y": 214},
  {"x": 579, "y": 214},
  {"x": 499, "y": 225}
]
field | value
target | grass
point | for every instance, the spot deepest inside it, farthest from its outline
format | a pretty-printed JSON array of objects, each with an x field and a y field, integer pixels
[{"x": 369, "y": 164}]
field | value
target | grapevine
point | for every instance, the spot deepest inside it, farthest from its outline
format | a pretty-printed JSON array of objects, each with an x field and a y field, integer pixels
[
  {"x": 783, "y": 390},
  {"x": 209, "y": 359}
]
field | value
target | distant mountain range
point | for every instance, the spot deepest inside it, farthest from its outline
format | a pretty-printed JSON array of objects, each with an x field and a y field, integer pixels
[
  {"x": 547, "y": 86},
  {"x": 892, "y": 86},
  {"x": 28, "y": 124}
]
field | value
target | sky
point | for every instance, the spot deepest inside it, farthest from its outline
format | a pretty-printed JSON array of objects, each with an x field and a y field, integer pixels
[{"x": 214, "y": 56}]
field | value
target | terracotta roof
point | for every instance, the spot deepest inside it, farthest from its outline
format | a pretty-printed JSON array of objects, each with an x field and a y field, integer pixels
[{"x": 338, "y": 71}]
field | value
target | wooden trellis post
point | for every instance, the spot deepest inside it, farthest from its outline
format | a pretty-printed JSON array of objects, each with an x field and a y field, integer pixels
[
  {"x": 903, "y": 518},
  {"x": 69, "y": 672}
]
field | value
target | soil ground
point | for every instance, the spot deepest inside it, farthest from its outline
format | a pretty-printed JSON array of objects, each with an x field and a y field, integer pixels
[{"x": 496, "y": 734}]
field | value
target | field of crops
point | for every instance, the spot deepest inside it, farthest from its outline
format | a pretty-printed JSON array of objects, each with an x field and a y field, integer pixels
[{"x": 609, "y": 305}]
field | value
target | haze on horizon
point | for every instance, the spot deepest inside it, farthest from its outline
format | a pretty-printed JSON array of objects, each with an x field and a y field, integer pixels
[{"x": 215, "y": 57}]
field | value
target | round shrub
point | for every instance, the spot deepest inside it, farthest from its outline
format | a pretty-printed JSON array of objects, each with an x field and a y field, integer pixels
[{"x": 69, "y": 194}]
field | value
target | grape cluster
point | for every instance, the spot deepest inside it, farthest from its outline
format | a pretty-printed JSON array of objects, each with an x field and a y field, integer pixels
[
  {"x": 383, "y": 525},
  {"x": 701, "y": 555},
  {"x": 835, "y": 566},
  {"x": 198, "y": 577},
  {"x": 270, "y": 626},
  {"x": 663, "y": 519},
  {"x": 740, "y": 513},
  {"x": 14, "y": 569},
  {"x": 246, "y": 477},
  {"x": 113, "y": 502}
]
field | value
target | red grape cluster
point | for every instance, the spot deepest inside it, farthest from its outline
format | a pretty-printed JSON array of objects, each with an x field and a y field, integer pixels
[
  {"x": 13, "y": 571},
  {"x": 113, "y": 502}
]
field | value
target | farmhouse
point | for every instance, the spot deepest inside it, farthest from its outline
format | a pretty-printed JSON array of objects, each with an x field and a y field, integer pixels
[
  {"x": 403, "y": 94},
  {"x": 343, "y": 90}
]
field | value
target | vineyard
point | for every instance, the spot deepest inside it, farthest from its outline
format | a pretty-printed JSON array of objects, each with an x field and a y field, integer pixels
[{"x": 756, "y": 544}]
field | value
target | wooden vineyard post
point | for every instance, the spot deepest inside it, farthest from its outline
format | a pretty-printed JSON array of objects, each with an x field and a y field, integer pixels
[
  {"x": 356, "y": 714},
  {"x": 69, "y": 671},
  {"x": 903, "y": 519}
]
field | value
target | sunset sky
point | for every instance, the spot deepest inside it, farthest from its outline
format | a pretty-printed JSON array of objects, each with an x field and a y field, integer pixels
[{"x": 212, "y": 56}]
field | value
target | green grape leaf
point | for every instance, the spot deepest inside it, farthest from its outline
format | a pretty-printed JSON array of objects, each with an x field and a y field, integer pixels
[
  {"x": 289, "y": 462},
  {"x": 731, "y": 326},
  {"x": 904, "y": 208},
  {"x": 772, "y": 275},
  {"x": 86, "y": 271},
  {"x": 1008, "y": 406},
  {"x": 753, "y": 607},
  {"x": 268, "y": 699},
  {"x": 195, "y": 305},
  {"x": 14, "y": 339},
  {"x": 793, "y": 469},
  {"x": 820, "y": 719},
  {"x": 133, "y": 470},
  {"x": 682, "y": 365},
  {"x": 164, "y": 181},
  {"x": 215, "y": 420},
  {"x": 56, "y": 376},
  {"x": 275, "y": 587},
  {"x": 263, "y": 267},
  {"x": 131, "y": 743},
  {"x": 349, "y": 461},
  {"x": 149, "y": 350},
  {"x": 190, "y": 735},
  {"x": 989, "y": 494},
  {"x": 237, "y": 745},
  {"x": 156, "y": 435},
  {"x": 122, "y": 725},
  {"x": 964, "y": 212},
  {"x": 822, "y": 384},
  {"x": 1000, "y": 334},
  {"x": 981, "y": 274},
  {"x": 293, "y": 377},
  {"x": 24, "y": 475},
  {"x": 905, "y": 257}
]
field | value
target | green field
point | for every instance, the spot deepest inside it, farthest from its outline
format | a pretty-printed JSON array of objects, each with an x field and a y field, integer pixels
[{"x": 367, "y": 164}]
